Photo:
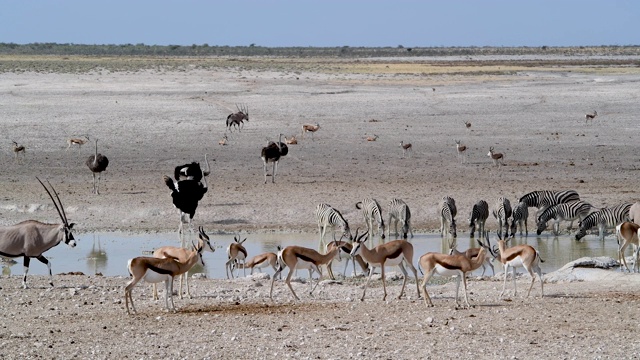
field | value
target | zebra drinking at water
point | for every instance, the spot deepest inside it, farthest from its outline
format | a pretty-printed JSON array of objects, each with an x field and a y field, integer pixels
[
  {"x": 545, "y": 198},
  {"x": 563, "y": 212},
  {"x": 603, "y": 219},
  {"x": 502, "y": 212},
  {"x": 330, "y": 217},
  {"x": 448, "y": 213},
  {"x": 399, "y": 212},
  {"x": 519, "y": 218},
  {"x": 371, "y": 212},
  {"x": 479, "y": 215}
]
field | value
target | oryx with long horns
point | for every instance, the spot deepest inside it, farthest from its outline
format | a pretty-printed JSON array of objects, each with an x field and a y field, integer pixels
[{"x": 32, "y": 238}]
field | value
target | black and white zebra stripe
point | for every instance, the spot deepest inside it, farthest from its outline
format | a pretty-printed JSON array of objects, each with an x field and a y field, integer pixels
[
  {"x": 519, "y": 218},
  {"x": 399, "y": 212},
  {"x": 372, "y": 212},
  {"x": 330, "y": 217},
  {"x": 502, "y": 212},
  {"x": 545, "y": 198},
  {"x": 448, "y": 213},
  {"x": 563, "y": 212},
  {"x": 478, "y": 217},
  {"x": 603, "y": 219}
]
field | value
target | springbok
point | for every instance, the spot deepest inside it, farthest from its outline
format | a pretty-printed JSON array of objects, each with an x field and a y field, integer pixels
[
  {"x": 467, "y": 125},
  {"x": 627, "y": 234},
  {"x": 19, "y": 149},
  {"x": 372, "y": 138},
  {"x": 449, "y": 265},
  {"x": 223, "y": 141},
  {"x": 297, "y": 257},
  {"x": 155, "y": 270},
  {"x": 498, "y": 158},
  {"x": 406, "y": 148},
  {"x": 235, "y": 253},
  {"x": 345, "y": 254},
  {"x": 77, "y": 141},
  {"x": 307, "y": 128},
  {"x": 182, "y": 254},
  {"x": 291, "y": 141},
  {"x": 32, "y": 238},
  {"x": 588, "y": 117},
  {"x": 259, "y": 262},
  {"x": 393, "y": 253},
  {"x": 237, "y": 119},
  {"x": 471, "y": 253},
  {"x": 517, "y": 256}
]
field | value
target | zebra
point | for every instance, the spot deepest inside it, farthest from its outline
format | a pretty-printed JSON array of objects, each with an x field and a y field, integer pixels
[
  {"x": 545, "y": 198},
  {"x": 519, "y": 217},
  {"x": 479, "y": 215},
  {"x": 604, "y": 218},
  {"x": 372, "y": 212},
  {"x": 399, "y": 212},
  {"x": 565, "y": 211},
  {"x": 448, "y": 213},
  {"x": 502, "y": 212},
  {"x": 330, "y": 217}
]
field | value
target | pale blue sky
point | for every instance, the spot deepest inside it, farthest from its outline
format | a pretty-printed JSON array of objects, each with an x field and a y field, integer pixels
[{"x": 323, "y": 23}]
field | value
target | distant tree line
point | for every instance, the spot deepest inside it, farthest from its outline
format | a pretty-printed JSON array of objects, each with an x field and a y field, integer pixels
[{"x": 342, "y": 51}]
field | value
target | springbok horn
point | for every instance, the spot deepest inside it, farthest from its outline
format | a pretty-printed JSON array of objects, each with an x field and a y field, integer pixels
[{"x": 64, "y": 220}]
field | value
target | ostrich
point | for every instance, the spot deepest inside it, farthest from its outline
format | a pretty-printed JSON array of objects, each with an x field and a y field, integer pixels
[
  {"x": 271, "y": 154},
  {"x": 97, "y": 163},
  {"x": 189, "y": 187}
]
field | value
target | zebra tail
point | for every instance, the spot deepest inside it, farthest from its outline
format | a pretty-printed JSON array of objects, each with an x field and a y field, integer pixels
[
  {"x": 359, "y": 205},
  {"x": 539, "y": 257}
]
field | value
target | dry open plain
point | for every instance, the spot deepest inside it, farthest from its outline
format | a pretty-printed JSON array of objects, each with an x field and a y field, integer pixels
[{"x": 153, "y": 118}]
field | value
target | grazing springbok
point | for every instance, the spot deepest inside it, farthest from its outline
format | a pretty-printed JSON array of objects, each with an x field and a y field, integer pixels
[
  {"x": 291, "y": 141},
  {"x": 236, "y": 253},
  {"x": 345, "y": 254},
  {"x": 307, "y": 128},
  {"x": 588, "y": 117},
  {"x": 237, "y": 119},
  {"x": 372, "y": 138},
  {"x": 32, "y": 238},
  {"x": 19, "y": 149},
  {"x": 517, "y": 256},
  {"x": 394, "y": 253},
  {"x": 182, "y": 254},
  {"x": 462, "y": 154},
  {"x": 224, "y": 140},
  {"x": 297, "y": 257},
  {"x": 449, "y": 265},
  {"x": 406, "y": 148},
  {"x": 259, "y": 262},
  {"x": 77, "y": 141},
  {"x": 498, "y": 158},
  {"x": 470, "y": 254},
  {"x": 627, "y": 234},
  {"x": 155, "y": 270}
]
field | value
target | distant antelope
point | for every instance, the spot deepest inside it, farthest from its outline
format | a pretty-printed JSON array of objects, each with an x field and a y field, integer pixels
[
  {"x": 467, "y": 125},
  {"x": 291, "y": 141},
  {"x": 77, "y": 141},
  {"x": 223, "y": 141},
  {"x": 406, "y": 148},
  {"x": 588, "y": 117},
  {"x": 372, "y": 138},
  {"x": 18, "y": 149},
  {"x": 237, "y": 119},
  {"x": 461, "y": 151},
  {"x": 498, "y": 158},
  {"x": 310, "y": 128}
]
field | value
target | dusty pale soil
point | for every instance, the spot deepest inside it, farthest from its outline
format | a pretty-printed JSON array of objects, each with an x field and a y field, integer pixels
[{"x": 150, "y": 121}]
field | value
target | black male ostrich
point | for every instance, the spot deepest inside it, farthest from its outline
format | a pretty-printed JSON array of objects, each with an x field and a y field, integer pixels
[
  {"x": 271, "y": 154},
  {"x": 189, "y": 187},
  {"x": 97, "y": 163}
]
